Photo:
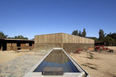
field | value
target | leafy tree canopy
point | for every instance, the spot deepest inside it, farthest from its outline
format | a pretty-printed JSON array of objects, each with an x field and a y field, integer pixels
[
  {"x": 101, "y": 34},
  {"x": 2, "y": 35},
  {"x": 75, "y": 32},
  {"x": 18, "y": 37},
  {"x": 80, "y": 34},
  {"x": 84, "y": 33},
  {"x": 109, "y": 41},
  {"x": 113, "y": 35}
]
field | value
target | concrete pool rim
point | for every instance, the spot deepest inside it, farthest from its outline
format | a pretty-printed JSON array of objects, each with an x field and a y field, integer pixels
[{"x": 81, "y": 72}]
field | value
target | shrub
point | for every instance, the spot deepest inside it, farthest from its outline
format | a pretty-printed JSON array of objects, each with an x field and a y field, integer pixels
[{"x": 91, "y": 55}]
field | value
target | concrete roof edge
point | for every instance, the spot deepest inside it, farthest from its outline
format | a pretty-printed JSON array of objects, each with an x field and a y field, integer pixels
[
  {"x": 65, "y": 33},
  {"x": 50, "y": 33},
  {"x": 19, "y": 39}
]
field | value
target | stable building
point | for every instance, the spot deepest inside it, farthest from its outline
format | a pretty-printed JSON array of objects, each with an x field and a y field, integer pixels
[
  {"x": 62, "y": 40},
  {"x": 15, "y": 44}
]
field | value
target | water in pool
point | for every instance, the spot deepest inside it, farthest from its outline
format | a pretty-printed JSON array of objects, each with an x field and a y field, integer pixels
[{"x": 57, "y": 58}]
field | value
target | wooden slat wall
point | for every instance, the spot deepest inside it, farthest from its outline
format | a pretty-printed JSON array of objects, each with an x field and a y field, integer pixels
[
  {"x": 67, "y": 38},
  {"x": 26, "y": 44},
  {"x": 49, "y": 38},
  {"x": 61, "y": 38},
  {"x": 23, "y": 45},
  {"x": 8, "y": 44}
]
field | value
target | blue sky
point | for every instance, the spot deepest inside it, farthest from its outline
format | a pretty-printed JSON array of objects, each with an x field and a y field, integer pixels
[{"x": 34, "y": 17}]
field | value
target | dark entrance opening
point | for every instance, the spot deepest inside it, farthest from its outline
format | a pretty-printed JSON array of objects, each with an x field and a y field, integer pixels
[
  {"x": 4, "y": 46},
  {"x": 30, "y": 44},
  {"x": 18, "y": 45},
  {"x": 0, "y": 45}
]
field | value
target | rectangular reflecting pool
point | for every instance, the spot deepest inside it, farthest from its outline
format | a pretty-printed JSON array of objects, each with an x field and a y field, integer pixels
[
  {"x": 57, "y": 58},
  {"x": 56, "y": 62}
]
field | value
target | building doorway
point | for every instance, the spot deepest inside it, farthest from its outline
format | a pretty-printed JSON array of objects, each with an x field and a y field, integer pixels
[
  {"x": 4, "y": 46},
  {"x": 18, "y": 45}
]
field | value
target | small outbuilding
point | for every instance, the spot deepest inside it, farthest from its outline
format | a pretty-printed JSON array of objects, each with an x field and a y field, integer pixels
[
  {"x": 62, "y": 40},
  {"x": 16, "y": 44}
]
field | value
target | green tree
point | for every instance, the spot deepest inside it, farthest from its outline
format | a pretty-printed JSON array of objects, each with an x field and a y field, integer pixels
[
  {"x": 2, "y": 35},
  {"x": 101, "y": 34},
  {"x": 75, "y": 32},
  {"x": 84, "y": 33},
  {"x": 113, "y": 35},
  {"x": 80, "y": 34},
  {"x": 109, "y": 41},
  {"x": 18, "y": 37}
]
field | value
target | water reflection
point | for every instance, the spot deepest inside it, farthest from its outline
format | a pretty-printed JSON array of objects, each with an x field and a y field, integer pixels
[{"x": 57, "y": 58}]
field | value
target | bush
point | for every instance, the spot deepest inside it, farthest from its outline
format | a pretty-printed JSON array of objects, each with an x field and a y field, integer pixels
[
  {"x": 91, "y": 55},
  {"x": 79, "y": 51}
]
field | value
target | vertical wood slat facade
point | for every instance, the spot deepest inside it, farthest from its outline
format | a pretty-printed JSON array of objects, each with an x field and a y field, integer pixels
[
  {"x": 62, "y": 40},
  {"x": 49, "y": 38},
  {"x": 75, "y": 39},
  {"x": 14, "y": 44}
]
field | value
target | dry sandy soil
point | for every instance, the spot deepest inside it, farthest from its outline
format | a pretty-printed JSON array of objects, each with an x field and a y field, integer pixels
[
  {"x": 17, "y": 64},
  {"x": 9, "y": 55},
  {"x": 102, "y": 65}
]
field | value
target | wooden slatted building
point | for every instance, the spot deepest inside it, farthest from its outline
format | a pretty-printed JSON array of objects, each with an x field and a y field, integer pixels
[
  {"x": 15, "y": 44},
  {"x": 62, "y": 40}
]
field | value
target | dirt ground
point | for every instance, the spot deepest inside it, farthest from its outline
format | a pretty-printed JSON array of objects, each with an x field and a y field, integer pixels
[
  {"x": 18, "y": 65},
  {"x": 102, "y": 65},
  {"x": 9, "y": 55}
]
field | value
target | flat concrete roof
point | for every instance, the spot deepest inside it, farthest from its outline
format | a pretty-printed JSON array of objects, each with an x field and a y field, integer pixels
[{"x": 15, "y": 39}]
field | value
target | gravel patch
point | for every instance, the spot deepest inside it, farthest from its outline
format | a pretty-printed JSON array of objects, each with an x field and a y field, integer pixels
[{"x": 19, "y": 66}]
